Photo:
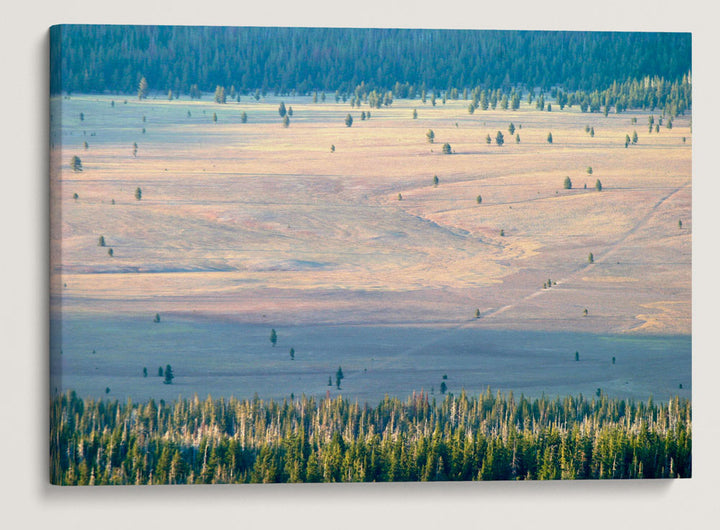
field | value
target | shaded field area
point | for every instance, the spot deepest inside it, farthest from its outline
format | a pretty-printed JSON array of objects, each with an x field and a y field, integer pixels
[{"x": 225, "y": 359}]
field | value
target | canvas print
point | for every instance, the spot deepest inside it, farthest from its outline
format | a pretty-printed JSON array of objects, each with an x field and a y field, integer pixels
[{"x": 368, "y": 255}]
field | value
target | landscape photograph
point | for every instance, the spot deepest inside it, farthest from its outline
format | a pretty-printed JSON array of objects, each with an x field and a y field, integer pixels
[{"x": 303, "y": 255}]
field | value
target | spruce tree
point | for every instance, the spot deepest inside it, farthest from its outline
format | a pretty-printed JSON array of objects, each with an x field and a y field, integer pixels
[
  {"x": 169, "y": 376},
  {"x": 273, "y": 337},
  {"x": 142, "y": 88}
]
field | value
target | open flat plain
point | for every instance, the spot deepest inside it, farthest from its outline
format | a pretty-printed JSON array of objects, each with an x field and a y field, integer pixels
[{"x": 247, "y": 227}]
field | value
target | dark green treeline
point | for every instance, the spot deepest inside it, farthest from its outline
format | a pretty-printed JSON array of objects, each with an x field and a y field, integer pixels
[
  {"x": 489, "y": 437},
  {"x": 113, "y": 58}
]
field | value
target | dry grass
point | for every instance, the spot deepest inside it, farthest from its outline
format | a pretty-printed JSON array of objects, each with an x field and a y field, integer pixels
[{"x": 243, "y": 220}]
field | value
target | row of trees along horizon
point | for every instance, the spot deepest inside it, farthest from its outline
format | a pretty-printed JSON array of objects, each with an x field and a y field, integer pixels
[
  {"x": 487, "y": 437},
  {"x": 592, "y": 69}
]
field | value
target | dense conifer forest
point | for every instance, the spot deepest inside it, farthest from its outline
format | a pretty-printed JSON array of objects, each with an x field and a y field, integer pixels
[
  {"x": 488, "y": 437},
  {"x": 623, "y": 70}
]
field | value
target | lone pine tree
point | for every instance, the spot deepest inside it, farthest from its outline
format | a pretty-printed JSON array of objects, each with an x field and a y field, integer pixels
[
  {"x": 273, "y": 337},
  {"x": 169, "y": 376}
]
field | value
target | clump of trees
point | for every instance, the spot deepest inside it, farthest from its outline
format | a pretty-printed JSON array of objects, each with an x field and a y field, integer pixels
[
  {"x": 447, "y": 149},
  {"x": 76, "y": 163},
  {"x": 348, "y": 120},
  {"x": 484, "y": 437},
  {"x": 567, "y": 183}
]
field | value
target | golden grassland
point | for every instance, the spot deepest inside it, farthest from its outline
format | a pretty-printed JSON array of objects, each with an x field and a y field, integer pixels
[{"x": 245, "y": 220}]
